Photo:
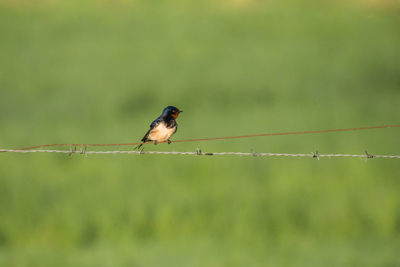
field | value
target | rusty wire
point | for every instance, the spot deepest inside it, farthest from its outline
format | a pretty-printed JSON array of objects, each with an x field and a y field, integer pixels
[{"x": 214, "y": 138}]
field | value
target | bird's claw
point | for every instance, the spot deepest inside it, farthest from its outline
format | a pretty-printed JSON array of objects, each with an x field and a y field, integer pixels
[
  {"x": 169, "y": 141},
  {"x": 155, "y": 142}
]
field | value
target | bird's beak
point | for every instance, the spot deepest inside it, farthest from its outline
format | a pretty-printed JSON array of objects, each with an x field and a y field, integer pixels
[{"x": 180, "y": 111}]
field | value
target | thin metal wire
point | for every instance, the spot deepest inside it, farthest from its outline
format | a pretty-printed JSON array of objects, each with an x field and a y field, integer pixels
[
  {"x": 198, "y": 152},
  {"x": 220, "y": 138}
]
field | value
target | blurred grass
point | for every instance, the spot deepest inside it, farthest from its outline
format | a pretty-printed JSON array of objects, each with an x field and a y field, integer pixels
[{"x": 75, "y": 72}]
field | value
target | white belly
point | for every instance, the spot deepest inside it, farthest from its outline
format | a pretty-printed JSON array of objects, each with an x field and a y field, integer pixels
[{"x": 161, "y": 133}]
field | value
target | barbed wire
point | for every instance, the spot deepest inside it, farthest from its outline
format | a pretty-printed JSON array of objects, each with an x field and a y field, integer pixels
[
  {"x": 217, "y": 138},
  {"x": 83, "y": 147},
  {"x": 199, "y": 153}
]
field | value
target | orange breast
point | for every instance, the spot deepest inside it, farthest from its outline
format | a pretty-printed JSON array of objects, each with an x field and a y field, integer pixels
[{"x": 161, "y": 133}]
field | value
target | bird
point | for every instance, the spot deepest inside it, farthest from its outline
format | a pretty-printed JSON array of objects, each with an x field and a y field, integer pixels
[{"x": 162, "y": 128}]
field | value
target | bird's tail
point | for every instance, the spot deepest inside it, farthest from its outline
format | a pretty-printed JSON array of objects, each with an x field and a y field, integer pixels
[{"x": 138, "y": 147}]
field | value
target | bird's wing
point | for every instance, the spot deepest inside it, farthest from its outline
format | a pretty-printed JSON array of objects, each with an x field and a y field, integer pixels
[
  {"x": 155, "y": 122},
  {"x": 152, "y": 125}
]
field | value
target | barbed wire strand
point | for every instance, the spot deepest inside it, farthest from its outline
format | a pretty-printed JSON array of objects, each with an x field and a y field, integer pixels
[
  {"x": 216, "y": 138},
  {"x": 199, "y": 152}
]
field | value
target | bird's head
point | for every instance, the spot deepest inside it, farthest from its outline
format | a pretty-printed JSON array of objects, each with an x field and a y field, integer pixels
[{"x": 171, "y": 111}]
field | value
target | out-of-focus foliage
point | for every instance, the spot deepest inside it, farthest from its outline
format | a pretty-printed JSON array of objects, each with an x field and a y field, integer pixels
[{"x": 100, "y": 72}]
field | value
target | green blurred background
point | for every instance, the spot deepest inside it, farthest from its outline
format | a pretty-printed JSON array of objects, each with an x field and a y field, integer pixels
[{"x": 101, "y": 71}]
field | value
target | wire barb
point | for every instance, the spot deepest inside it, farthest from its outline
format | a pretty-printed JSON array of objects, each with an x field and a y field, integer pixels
[
  {"x": 83, "y": 150},
  {"x": 72, "y": 150},
  {"x": 369, "y": 156}
]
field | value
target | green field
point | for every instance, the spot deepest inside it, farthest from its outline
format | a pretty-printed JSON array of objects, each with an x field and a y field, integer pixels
[{"x": 86, "y": 72}]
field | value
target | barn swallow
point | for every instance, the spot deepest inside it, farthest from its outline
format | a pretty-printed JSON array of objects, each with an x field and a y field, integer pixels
[{"x": 162, "y": 128}]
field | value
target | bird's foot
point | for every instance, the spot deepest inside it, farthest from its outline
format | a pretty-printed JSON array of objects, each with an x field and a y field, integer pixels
[
  {"x": 155, "y": 142},
  {"x": 169, "y": 141}
]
